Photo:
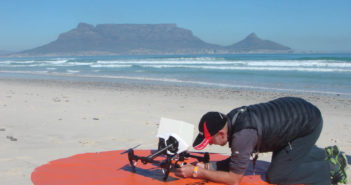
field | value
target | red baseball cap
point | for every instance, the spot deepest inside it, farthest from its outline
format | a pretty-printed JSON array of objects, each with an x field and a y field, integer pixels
[{"x": 209, "y": 125}]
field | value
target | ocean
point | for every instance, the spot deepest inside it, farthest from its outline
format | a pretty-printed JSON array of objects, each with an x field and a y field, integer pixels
[{"x": 310, "y": 73}]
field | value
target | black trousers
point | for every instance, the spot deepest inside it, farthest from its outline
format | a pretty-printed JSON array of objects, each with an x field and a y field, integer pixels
[{"x": 301, "y": 162}]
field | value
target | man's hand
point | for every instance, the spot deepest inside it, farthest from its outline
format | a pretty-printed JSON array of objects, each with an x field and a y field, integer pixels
[
  {"x": 185, "y": 171},
  {"x": 216, "y": 176}
]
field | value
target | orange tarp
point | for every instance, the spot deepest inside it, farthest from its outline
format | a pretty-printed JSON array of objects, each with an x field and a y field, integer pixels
[{"x": 109, "y": 168}]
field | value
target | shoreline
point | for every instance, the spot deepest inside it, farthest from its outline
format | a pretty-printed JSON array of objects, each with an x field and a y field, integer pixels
[
  {"x": 145, "y": 81},
  {"x": 288, "y": 73},
  {"x": 44, "y": 120}
]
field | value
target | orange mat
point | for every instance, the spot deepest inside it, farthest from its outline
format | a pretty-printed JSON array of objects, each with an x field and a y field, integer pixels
[{"x": 113, "y": 167}]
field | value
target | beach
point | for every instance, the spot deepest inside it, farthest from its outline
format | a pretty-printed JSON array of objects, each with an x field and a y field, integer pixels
[{"x": 44, "y": 120}]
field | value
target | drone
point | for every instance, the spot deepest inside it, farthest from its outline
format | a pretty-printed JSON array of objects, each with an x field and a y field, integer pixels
[{"x": 171, "y": 146}]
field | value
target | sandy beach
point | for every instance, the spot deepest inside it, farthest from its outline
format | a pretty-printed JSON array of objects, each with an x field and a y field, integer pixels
[{"x": 44, "y": 120}]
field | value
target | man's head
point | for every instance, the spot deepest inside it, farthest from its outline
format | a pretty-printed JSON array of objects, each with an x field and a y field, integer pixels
[{"x": 212, "y": 130}]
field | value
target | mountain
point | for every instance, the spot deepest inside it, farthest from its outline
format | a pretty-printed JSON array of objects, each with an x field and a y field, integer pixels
[
  {"x": 116, "y": 39},
  {"x": 123, "y": 39},
  {"x": 252, "y": 42}
]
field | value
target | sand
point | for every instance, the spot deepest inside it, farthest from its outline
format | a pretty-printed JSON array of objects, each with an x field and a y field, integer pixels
[{"x": 45, "y": 120}]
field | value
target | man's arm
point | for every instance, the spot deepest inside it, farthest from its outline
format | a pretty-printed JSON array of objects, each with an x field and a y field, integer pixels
[
  {"x": 230, "y": 170},
  {"x": 215, "y": 176}
]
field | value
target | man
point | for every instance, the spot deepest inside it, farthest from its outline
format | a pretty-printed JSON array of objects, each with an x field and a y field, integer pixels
[{"x": 289, "y": 127}]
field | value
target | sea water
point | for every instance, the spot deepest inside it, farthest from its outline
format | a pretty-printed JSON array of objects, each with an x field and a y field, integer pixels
[{"x": 317, "y": 73}]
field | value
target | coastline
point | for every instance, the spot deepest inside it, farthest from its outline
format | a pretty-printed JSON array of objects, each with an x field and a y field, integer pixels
[{"x": 44, "y": 120}]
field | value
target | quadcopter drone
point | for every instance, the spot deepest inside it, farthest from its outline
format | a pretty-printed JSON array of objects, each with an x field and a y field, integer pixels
[{"x": 171, "y": 146}]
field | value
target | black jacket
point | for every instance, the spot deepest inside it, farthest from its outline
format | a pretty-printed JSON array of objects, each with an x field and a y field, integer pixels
[{"x": 277, "y": 122}]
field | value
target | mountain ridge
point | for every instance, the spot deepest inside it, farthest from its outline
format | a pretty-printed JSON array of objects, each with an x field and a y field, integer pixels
[{"x": 118, "y": 39}]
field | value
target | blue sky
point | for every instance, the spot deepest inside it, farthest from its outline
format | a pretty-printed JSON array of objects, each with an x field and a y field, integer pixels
[{"x": 318, "y": 25}]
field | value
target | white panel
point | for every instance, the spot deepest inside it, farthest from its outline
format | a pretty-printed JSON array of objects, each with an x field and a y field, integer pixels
[{"x": 170, "y": 126}]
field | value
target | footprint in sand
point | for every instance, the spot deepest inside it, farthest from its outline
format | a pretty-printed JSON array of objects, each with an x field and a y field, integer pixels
[
  {"x": 87, "y": 142},
  {"x": 11, "y": 138}
]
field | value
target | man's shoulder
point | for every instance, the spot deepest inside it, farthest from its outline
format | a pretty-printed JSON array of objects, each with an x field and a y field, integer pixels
[{"x": 233, "y": 111}]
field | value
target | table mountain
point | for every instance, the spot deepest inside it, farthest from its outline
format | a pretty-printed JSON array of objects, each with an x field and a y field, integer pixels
[{"x": 124, "y": 39}]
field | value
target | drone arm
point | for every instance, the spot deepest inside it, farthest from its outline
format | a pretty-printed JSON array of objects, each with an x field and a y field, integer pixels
[
  {"x": 159, "y": 152},
  {"x": 205, "y": 158},
  {"x": 132, "y": 157}
]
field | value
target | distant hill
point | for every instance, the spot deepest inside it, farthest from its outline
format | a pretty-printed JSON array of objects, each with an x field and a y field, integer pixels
[
  {"x": 115, "y": 39},
  {"x": 3, "y": 52},
  {"x": 252, "y": 42}
]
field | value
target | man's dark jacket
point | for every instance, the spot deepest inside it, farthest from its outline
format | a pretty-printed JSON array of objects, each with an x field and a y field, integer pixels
[{"x": 277, "y": 122}]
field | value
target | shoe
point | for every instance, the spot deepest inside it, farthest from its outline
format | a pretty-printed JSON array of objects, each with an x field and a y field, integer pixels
[
  {"x": 332, "y": 151},
  {"x": 338, "y": 163}
]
